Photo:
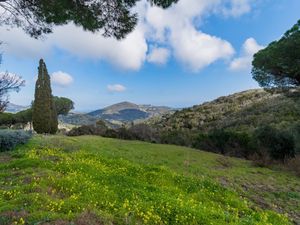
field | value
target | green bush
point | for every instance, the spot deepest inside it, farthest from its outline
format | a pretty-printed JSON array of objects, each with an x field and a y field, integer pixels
[
  {"x": 238, "y": 144},
  {"x": 9, "y": 139},
  {"x": 177, "y": 137},
  {"x": 99, "y": 128},
  {"x": 279, "y": 144}
]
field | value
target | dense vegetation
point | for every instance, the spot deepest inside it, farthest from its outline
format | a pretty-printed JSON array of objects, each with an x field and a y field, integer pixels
[
  {"x": 253, "y": 124},
  {"x": 93, "y": 180},
  {"x": 9, "y": 139},
  {"x": 244, "y": 111},
  {"x": 17, "y": 120}
]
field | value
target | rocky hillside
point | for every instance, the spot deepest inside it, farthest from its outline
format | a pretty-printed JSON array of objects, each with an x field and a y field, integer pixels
[{"x": 241, "y": 111}]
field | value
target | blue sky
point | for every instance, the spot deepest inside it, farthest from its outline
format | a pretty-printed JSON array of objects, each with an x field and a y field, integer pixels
[{"x": 193, "y": 52}]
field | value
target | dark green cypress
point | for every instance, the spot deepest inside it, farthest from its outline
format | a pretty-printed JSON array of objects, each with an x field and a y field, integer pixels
[{"x": 44, "y": 114}]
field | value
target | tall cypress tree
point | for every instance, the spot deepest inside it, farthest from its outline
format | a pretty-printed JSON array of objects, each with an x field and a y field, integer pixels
[{"x": 44, "y": 114}]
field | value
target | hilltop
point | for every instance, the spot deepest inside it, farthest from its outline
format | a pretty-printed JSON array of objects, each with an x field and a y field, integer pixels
[{"x": 117, "y": 114}]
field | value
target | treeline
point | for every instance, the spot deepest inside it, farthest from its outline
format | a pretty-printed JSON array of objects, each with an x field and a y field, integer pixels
[
  {"x": 15, "y": 120},
  {"x": 21, "y": 119},
  {"x": 265, "y": 143}
]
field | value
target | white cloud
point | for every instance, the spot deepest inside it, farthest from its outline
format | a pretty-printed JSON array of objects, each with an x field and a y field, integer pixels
[
  {"x": 198, "y": 50},
  {"x": 176, "y": 28},
  {"x": 158, "y": 56},
  {"x": 17, "y": 43},
  {"x": 61, "y": 78},
  {"x": 127, "y": 54},
  {"x": 250, "y": 47},
  {"x": 116, "y": 88},
  {"x": 237, "y": 7}
]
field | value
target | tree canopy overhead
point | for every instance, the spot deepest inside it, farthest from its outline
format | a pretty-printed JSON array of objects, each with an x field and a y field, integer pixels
[
  {"x": 278, "y": 65},
  {"x": 37, "y": 17}
]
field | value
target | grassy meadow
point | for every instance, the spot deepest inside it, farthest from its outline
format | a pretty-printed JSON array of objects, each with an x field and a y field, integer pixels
[{"x": 93, "y": 180}]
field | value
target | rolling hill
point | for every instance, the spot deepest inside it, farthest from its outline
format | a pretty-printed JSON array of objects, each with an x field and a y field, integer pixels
[
  {"x": 242, "y": 111},
  {"x": 94, "y": 180},
  {"x": 117, "y": 114}
]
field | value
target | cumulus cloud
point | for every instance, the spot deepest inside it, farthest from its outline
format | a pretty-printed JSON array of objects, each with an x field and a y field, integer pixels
[
  {"x": 250, "y": 47},
  {"x": 116, "y": 88},
  {"x": 61, "y": 78},
  {"x": 198, "y": 50},
  {"x": 176, "y": 28},
  {"x": 158, "y": 56}
]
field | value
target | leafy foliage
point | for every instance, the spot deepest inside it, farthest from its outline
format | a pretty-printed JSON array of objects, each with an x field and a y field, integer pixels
[
  {"x": 99, "y": 128},
  {"x": 278, "y": 64},
  {"x": 44, "y": 112},
  {"x": 22, "y": 118},
  {"x": 113, "y": 17},
  {"x": 7, "y": 119},
  {"x": 280, "y": 144},
  {"x": 63, "y": 105},
  {"x": 9, "y": 139}
]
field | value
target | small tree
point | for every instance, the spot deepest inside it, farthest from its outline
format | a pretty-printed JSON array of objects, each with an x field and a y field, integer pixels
[
  {"x": 63, "y": 105},
  {"x": 278, "y": 65},
  {"x": 44, "y": 114}
]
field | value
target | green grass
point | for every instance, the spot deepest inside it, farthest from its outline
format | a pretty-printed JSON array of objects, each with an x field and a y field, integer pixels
[{"x": 56, "y": 179}]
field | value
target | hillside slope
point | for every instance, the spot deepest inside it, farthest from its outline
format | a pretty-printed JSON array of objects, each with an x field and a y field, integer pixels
[
  {"x": 241, "y": 111},
  {"x": 93, "y": 180}
]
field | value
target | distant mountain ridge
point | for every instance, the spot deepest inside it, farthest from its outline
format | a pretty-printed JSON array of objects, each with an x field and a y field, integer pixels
[
  {"x": 119, "y": 113},
  {"x": 13, "y": 108}
]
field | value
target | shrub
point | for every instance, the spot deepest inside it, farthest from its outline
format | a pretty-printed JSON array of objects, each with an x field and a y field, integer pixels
[
  {"x": 144, "y": 132},
  {"x": 231, "y": 143},
  {"x": 177, "y": 137},
  {"x": 279, "y": 144},
  {"x": 295, "y": 131},
  {"x": 98, "y": 129},
  {"x": 294, "y": 165},
  {"x": 9, "y": 139}
]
